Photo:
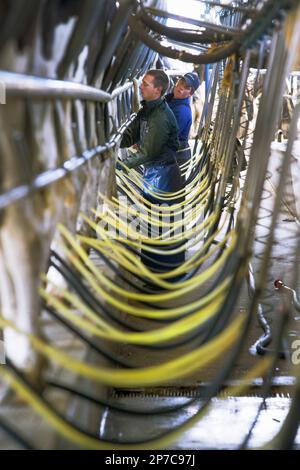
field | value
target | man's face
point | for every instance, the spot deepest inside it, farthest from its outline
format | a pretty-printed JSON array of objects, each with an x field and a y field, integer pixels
[
  {"x": 181, "y": 90},
  {"x": 148, "y": 90}
]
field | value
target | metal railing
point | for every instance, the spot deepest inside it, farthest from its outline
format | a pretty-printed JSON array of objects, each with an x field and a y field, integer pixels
[{"x": 26, "y": 86}]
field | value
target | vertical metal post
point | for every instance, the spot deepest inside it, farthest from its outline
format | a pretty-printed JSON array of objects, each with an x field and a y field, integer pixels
[{"x": 206, "y": 77}]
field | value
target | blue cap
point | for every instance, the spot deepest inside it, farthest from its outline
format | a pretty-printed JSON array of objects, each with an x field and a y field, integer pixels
[{"x": 192, "y": 80}]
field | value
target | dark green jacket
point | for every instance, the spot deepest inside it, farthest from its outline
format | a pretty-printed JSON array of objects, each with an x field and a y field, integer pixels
[{"x": 155, "y": 131}]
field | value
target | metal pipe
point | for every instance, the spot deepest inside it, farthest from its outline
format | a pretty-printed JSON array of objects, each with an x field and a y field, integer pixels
[
  {"x": 220, "y": 53},
  {"x": 279, "y": 284},
  {"x": 52, "y": 176},
  {"x": 203, "y": 24},
  {"x": 184, "y": 35},
  {"x": 113, "y": 37},
  {"x": 120, "y": 90},
  {"x": 243, "y": 9},
  {"x": 29, "y": 86},
  {"x": 233, "y": 128}
]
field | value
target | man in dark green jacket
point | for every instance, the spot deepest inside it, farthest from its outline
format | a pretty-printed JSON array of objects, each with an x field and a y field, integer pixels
[{"x": 154, "y": 134}]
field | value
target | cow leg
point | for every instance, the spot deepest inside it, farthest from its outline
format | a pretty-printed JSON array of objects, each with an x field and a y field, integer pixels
[{"x": 20, "y": 270}]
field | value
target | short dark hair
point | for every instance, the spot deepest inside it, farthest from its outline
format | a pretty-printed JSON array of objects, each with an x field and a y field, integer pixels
[{"x": 161, "y": 79}]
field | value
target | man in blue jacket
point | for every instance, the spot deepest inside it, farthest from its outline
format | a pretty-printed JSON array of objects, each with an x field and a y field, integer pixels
[{"x": 179, "y": 102}]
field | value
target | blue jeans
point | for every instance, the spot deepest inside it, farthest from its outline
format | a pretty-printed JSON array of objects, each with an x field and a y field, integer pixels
[{"x": 165, "y": 178}]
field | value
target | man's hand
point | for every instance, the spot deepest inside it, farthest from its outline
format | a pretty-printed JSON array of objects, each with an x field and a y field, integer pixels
[
  {"x": 131, "y": 152},
  {"x": 118, "y": 165},
  {"x": 133, "y": 149}
]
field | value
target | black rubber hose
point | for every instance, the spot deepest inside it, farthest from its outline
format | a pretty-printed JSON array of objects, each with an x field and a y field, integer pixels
[
  {"x": 85, "y": 294},
  {"x": 186, "y": 36},
  {"x": 15, "y": 435},
  {"x": 138, "y": 28},
  {"x": 210, "y": 392},
  {"x": 108, "y": 355},
  {"x": 172, "y": 345},
  {"x": 83, "y": 291},
  {"x": 267, "y": 385}
]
